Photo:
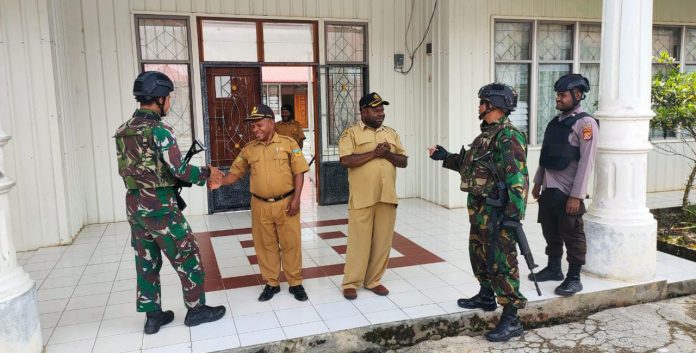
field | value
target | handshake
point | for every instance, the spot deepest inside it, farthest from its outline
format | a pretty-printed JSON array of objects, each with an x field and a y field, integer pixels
[{"x": 215, "y": 178}]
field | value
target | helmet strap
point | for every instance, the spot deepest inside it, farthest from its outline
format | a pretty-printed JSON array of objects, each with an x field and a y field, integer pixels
[
  {"x": 489, "y": 108},
  {"x": 160, "y": 104}
]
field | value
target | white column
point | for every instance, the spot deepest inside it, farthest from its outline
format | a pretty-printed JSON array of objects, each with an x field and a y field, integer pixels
[
  {"x": 621, "y": 232},
  {"x": 20, "y": 330}
]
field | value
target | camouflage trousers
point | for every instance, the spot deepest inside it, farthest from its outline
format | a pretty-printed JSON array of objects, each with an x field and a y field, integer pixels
[
  {"x": 505, "y": 277},
  {"x": 171, "y": 234}
]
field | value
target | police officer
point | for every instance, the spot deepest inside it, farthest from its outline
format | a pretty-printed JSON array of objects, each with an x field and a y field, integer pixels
[
  {"x": 289, "y": 126},
  {"x": 277, "y": 176},
  {"x": 560, "y": 183},
  {"x": 371, "y": 152},
  {"x": 501, "y": 146},
  {"x": 150, "y": 163}
]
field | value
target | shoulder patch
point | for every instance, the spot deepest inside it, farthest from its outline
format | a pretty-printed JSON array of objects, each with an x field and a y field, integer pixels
[
  {"x": 587, "y": 132},
  {"x": 297, "y": 152}
]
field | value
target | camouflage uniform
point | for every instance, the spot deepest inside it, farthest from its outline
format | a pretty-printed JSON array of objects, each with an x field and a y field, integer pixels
[
  {"x": 150, "y": 162},
  {"x": 507, "y": 145}
]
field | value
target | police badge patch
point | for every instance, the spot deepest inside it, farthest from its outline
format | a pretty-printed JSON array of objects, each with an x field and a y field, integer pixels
[
  {"x": 297, "y": 152},
  {"x": 587, "y": 132}
]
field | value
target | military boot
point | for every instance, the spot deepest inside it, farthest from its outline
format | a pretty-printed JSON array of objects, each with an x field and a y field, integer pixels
[
  {"x": 508, "y": 327},
  {"x": 157, "y": 319},
  {"x": 485, "y": 299},
  {"x": 552, "y": 272},
  {"x": 202, "y": 314},
  {"x": 572, "y": 284}
]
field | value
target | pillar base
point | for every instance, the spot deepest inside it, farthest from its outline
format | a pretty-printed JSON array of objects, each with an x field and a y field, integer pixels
[
  {"x": 622, "y": 249},
  {"x": 20, "y": 329}
]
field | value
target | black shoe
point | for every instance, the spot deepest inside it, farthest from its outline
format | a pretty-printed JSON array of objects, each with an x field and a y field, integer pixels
[
  {"x": 572, "y": 283},
  {"x": 485, "y": 299},
  {"x": 552, "y": 272},
  {"x": 157, "y": 319},
  {"x": 508, "y": 327},
  {"x": 203, "y": 314},
  {"x": 268, "y": 293},
  {"x": 299, "y": 292}
]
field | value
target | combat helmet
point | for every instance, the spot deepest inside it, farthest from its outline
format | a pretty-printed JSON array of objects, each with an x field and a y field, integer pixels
[
  {"x": 499, "y": 95},
  {"x": 152, "y": 84}
]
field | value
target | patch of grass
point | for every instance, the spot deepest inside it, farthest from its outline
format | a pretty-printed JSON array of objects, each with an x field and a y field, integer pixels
[{"x": 677, "y": 226}]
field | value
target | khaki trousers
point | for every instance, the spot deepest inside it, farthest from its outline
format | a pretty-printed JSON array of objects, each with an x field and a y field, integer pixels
[
  {"x": 276, "y": 239},
  {"x": 370, "y": 233}
]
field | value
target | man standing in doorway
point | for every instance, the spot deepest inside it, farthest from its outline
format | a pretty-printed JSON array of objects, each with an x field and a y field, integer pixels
[
  {"x": 560, "y": 183},
  {"x": 371, "y": 152},
  {"x": 494, "y": 169},
  {"x": 277, "y": 176},
  {"x": 149, "y": 161},
  {"x": 289, "y": 126}
]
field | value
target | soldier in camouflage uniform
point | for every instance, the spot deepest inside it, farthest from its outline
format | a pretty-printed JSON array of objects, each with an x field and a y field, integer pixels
[
  {"x": 150, "y": 163},
  {"x": 501, "y": 144}
]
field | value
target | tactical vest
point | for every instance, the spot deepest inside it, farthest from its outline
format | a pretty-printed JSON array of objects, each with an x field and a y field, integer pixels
[
  {"x": 556, "y": 151},
  {"x": 140, "y": 162},
  {"x": 477, "y": 180}
]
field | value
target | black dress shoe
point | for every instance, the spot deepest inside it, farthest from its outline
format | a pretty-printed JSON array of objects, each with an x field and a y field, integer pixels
[
  {"x": 508, "y": 327},
  {"x": 203, "y": 314},
  {"x": 299, "y": 292},
  {"x": 157, "y": 319},
  {"x": 268, "y": 293},
  {"x": 485, "y": 299}
]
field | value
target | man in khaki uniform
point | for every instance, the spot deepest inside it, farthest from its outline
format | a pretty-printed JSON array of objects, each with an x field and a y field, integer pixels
[
  {"x": 371, "y": 152},
  {"x": 277, "y": 175},
  {"x": 289, "y": 126}
]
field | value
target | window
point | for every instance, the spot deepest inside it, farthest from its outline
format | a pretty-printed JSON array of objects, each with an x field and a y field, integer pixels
[
  {"x": 672, "y": 39},
  {"x": 262, "y": 41},
  {"x": 531, "y": 55},
  {"x": 346, "y": 62},
  {"x": 229, "y": 40},
  {"x": 163, "y": 45}
]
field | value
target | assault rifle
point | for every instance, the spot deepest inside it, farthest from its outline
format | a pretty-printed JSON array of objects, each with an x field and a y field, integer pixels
[
  {"x": 195, "y": 148},
  {"x": 497, "y": 220}
]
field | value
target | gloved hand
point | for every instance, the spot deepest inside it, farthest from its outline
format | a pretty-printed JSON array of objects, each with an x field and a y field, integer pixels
[{"x": 439, "y": 154}]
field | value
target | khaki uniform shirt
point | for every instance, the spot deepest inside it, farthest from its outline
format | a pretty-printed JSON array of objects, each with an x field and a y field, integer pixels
[
  {"x": 374, "y": 181},
  {"x": 573, "y": 180},
  {"x": 291, "y": 129},
  {"x": 273, "y": 166}
]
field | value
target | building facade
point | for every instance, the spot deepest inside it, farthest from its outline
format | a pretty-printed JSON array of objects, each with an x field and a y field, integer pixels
[{"x": 66, "y": 72}]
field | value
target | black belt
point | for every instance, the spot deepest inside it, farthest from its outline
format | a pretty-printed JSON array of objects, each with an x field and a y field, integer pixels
[{"x": 275, "y": 198}]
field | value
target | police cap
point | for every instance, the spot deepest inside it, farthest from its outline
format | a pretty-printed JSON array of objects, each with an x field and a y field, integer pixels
[
  {"x": 259, "y": 112},
  {"x": 372, "y": 100}
]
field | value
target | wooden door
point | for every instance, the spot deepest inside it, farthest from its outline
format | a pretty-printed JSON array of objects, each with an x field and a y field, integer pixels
[
  {"x": 301, "y": 110},
  {"x": 231, "y": 93}
]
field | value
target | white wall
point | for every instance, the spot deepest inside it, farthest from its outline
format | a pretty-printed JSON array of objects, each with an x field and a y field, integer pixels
[{"x": 47, "y": 206}]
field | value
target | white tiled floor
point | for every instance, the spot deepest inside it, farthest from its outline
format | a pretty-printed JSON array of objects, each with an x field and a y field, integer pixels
[{"x": 87, "y": 290}]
